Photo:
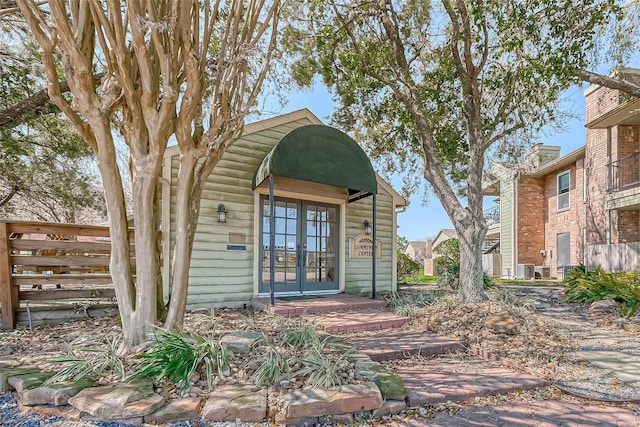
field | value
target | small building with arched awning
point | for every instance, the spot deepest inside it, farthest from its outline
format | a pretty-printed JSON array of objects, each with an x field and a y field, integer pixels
[{"x": 288, "y": 210}]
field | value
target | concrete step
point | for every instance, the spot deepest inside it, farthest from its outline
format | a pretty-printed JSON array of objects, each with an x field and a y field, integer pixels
[
  {"x": 448, "y": 379},
  {"x": 402, "y": 345},
  {"x": 316, "y": 304},
  {"x": 357, "y": 321}
]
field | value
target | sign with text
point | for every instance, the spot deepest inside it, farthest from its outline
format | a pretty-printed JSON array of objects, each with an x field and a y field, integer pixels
[{"x": 362, "y": 247}]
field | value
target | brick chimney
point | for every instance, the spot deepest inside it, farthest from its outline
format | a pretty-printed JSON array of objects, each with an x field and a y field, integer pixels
[{"x": 541, "y": 154}]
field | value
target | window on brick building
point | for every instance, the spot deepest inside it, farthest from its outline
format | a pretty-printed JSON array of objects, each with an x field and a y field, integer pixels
[
  {"x": 563, "y": 249},
  {"x": 564, "y": 182}
]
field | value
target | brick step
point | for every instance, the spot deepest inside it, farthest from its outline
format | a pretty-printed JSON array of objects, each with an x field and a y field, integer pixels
[
  {"x": 449, "y": 379},
  {"x": 357, "y": 321},
  {"x": 315, "y": 305},
  {"x": 402, "y": 345}
]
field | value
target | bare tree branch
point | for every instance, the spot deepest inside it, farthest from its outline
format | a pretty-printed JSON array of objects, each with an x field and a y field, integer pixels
[
  {"x": 13, "y": 115},
  {"x": 625, "y": 86}
]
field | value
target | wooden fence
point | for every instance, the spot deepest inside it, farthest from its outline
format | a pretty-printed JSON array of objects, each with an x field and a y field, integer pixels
[
  {"x": 50, "y": 273},
  {"x": 614, "y": 257}
]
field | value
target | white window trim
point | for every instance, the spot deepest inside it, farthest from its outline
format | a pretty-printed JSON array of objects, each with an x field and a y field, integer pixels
[{"x": 558, "y": 208}]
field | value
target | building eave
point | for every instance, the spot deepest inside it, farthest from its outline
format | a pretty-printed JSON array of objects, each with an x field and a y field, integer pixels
[{"x": 560, "y": 162}]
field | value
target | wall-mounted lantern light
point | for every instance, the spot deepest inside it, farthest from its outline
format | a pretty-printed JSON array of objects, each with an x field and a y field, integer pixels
[
  {"x": 368, "y": 229},
  {"x": 222, "y": 213}
]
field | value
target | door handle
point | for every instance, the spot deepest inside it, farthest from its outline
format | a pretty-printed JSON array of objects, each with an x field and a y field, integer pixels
[
  {"x": 304, "y": 256},
  {"x": 298, "y": 255}
]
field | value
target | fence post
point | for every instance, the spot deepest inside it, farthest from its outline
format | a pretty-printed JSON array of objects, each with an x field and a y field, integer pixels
[{"x": 8, "y": 295}]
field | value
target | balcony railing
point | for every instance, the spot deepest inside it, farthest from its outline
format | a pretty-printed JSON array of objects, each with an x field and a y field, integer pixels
[
  {"x": 624, "y": 172},
  {"x": 492, "y": 215}
]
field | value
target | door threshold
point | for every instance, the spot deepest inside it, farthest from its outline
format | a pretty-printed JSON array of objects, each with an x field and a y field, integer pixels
[{"x": 294, "y": 294}]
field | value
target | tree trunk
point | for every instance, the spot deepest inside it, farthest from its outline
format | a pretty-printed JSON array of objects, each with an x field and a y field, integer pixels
[
  {"x": 471, "y": 233},
  {"x": 120, "y": 262},
  {"x": 185, "y": 229},
  {"x": 144, "y": 190}
]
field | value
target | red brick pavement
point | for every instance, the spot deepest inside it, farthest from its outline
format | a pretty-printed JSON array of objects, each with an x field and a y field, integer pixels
[
  {"x": 402, "y": 345},
  {"x": 321, "y": 304},
  {"x": 357, "y": 321},
  {"x": 449, "y": 381},
  {"x": 539, "y": 414}
]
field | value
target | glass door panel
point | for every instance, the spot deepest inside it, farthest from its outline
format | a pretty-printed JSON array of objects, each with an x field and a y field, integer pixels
[
  {"x": 306, "y": 247},
  {"x": 319, "y": 271},
  {"x": 286, "y": 267}
]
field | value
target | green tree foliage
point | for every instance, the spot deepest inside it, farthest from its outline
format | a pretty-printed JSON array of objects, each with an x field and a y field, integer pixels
[
  {"x": 448, "y": 252},
  {"x": 44, "y": 164},
  {"x": 436, "y": 87},
  {"x": 406, "y": 267}
]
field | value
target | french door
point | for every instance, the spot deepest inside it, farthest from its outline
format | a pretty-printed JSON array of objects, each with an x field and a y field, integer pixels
[{"x": 306, "y": 246}]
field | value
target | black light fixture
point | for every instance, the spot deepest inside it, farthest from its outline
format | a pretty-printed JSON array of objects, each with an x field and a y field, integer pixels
[
  {"x": 368, "y": 229},
  {"x": 222, "y": 213}
]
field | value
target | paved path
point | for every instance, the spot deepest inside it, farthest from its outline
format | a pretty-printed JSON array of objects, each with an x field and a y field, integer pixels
[
  {"x": 443, "y": 381},
  {"x": 606, "y": 347},
  {"x": 401, "y": 345},
  {"x": 538, "y": 414}
]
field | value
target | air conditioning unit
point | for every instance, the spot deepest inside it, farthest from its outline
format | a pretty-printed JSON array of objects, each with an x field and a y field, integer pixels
[
  {"x": 542, "y": 271},
  {"x": 525, "y": 271}
]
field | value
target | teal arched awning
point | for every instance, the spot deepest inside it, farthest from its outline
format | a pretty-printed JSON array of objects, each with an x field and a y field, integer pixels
[{"x": 322, "y": 154}]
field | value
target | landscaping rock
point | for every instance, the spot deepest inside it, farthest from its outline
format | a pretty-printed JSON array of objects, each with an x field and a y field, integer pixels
[
  {"x": 390, "y": 407},
  {"x": 8, "y": 372},
  {"x": 178, "y": 410},
  {"x": 296, "y": 422},
  {"x": 369, "y": 370},
  {"x": 317, "y": 402},
  {"x": 241, "y": 342},
  {"x": 26, "y": 381},
  {"x": 501, "y": 323},
  {"x": 605, "y": 305},
  {"x": 98, "y": 401},
  {"x": 67, "y": 412},
  {"x": 391, "y": 387},
  {"x": 57, "y": 394},
  {"x": 130, "y": 391},
  {"x": 236, "y": 401}
]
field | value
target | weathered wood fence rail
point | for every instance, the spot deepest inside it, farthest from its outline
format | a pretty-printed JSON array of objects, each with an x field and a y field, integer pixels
[{"x": 62, "y": 263}]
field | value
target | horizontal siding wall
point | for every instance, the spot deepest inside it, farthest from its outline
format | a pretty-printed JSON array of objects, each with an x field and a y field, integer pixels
[
  {"x": 221, "y": 277},
  {"x": 358, "y": 271}
]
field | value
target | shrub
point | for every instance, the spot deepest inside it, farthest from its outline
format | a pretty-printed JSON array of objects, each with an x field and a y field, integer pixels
[
  {"x": 177, "y": 355},
  {"x": 595, "y": 285},
  {"x": 449, "y": 277},
  {"x": 406, "y": 266}
]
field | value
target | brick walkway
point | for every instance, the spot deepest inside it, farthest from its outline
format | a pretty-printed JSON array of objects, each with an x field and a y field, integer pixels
[
  {"x": 402, "y": 345},
  {"x": 323, "y": 304},
  {"x": 357, "y": 321},
  {"x": 538, "y": 414},
  {"x": 452, "y": 381}
]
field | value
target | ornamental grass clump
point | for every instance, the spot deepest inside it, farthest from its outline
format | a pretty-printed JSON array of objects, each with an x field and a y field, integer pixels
[
  {"x": 273, "y": 368},
  {"x": 177, "y": 355},
  {"x": 92, "y": 360},
  {"x": 584, "y": 286},
  {"x": 410, "y": 304}
]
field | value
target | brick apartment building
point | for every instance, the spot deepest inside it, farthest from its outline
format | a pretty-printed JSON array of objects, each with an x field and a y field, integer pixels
[{"x": 584, "y": 207}]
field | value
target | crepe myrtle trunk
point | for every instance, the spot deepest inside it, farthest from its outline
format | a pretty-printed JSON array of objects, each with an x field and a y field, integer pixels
[
  {"x": 471, "y": 231},
  {"x": 186, "y": 222}
]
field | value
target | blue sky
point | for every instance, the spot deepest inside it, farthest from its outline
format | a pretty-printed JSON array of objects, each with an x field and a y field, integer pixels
[{"x": 420, "y": 222}]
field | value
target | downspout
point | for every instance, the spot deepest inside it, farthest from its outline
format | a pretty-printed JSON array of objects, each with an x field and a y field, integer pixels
[{"x": 514, "y": 260}]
